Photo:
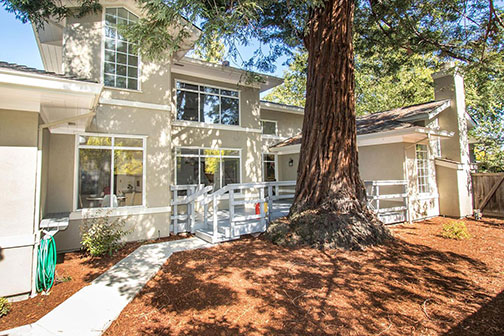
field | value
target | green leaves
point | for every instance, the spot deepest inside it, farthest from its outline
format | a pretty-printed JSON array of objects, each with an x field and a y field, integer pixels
[{"x": 41, "y": 11}]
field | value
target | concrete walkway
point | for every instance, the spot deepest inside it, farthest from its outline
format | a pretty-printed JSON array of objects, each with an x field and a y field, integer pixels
[{"x": 90, "y": 311}]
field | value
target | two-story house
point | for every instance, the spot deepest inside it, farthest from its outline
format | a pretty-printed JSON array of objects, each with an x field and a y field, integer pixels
[{"x": 102, "y": 128}]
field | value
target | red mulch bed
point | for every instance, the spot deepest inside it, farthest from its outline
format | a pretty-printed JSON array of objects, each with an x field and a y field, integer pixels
[
  {"x": 420, "y": 284},
  {"x": 82, "y": 269}
]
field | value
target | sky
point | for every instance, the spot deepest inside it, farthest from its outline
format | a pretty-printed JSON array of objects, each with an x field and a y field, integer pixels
[{"x": 18, "y": 45}]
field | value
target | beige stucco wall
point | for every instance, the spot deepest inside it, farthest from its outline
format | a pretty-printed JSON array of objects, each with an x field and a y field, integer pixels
[
  {"x": 18, "y": 164},
  {"x": 285, "y": 172},
  {"x": 83, "y": 53},
  {"x": 60, "y": 178},
  {"x": 288, "y": 124},
  {"x": 154, "y": 124}
]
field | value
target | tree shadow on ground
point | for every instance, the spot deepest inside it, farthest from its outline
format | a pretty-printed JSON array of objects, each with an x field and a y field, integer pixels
[
  {"x": 251, "y": 286},
  {"x": 487, "y": 318}
]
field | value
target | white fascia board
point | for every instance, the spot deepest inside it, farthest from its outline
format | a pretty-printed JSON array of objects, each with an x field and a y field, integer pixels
[
  {"x": 222, "y": 73},
  {"x": 46, "y": 83},
  {"x": 440, "y": 109},
  {"x": 449, "y": 164},
  {"x": 282, "y": 108},
  {"x": 379, "y": 138},
  {"x": 292, "y": 149},
  {"x": 137, "y": 104}
]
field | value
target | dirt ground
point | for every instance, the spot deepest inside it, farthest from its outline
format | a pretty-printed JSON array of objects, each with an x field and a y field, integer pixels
[
  {"x": 74, "y": 272},
  {"x": 419, "y": 284}
]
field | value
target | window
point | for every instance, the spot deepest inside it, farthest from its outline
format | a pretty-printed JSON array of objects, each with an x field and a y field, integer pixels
[
  {"x": 213, "y": 167},
  {"x": 207, "y": 104},
  {"x": 422, "y": 164},
  {"x": 120, "y": 68},
  {"x": 111, "y": 171},
  {"x": 269, "y": 127},
  {"x": 269, "y": 167}
]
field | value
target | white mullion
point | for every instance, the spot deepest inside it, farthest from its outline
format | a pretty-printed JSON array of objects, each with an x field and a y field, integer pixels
[
  {"x": 221, "y": 168},
  {"x": 144, "y": 173},
  {"x": 112, "y": 164}
]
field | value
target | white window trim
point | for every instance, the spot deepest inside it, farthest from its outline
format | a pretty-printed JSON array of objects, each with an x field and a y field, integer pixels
[
  {"x": 429, "y": 187},
  {"x": 239, "y": 156},
  {"x": 76, "y": 169},
  {"x": 199, "y": 102},
  {"x": 102, "y": 65},
  {"x": 276, "y": 165},
  {"x": 276, "y": 128}
]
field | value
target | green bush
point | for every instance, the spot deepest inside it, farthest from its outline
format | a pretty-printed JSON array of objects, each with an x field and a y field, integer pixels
[
  {"x": 101, "y": 235},
  {"x": 455, "y": 230},
  {"x": 5, "y": 306}
]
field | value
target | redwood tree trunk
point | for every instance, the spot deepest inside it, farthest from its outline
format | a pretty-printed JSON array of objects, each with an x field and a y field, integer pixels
[{"x": 330, "y": 207}]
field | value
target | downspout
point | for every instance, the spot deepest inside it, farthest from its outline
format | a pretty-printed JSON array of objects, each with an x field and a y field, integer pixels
[{"x": 38, "y": 186}]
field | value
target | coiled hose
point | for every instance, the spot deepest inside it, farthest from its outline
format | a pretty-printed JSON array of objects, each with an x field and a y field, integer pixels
[{"x": 46, "y": 264}]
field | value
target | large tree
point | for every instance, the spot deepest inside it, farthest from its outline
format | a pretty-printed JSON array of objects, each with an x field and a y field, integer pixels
[{"x": 330, "y": 207}]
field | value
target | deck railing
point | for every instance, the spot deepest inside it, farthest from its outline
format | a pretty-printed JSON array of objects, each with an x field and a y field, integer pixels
[{"x": 379, "y": 190}]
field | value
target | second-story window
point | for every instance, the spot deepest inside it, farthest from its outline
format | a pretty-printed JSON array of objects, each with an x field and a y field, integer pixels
[
  {"x": 120, "y": 68},
  {"x": 269, "y": 127},
  {"x": 207, "y": 104}
]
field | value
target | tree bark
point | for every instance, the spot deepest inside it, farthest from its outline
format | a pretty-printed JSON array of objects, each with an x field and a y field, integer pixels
[{"x": 330, "y": 206}]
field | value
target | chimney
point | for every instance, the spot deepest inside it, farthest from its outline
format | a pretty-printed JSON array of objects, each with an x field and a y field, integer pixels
[
  {"x": 454, "y": 180},
  {"x": 449, "y": 84}
]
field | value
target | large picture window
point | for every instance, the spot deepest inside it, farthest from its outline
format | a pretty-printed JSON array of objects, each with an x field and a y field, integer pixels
[
  {"x": 213, "y": 167},
  {"x": 110, "y": 172},
  {"x": 120, "y": 68},
  {"x": 207, "y": 104},
  {"x": 422, "y": 165}
]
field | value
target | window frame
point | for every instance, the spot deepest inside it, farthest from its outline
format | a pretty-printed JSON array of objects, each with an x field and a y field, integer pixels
[
  {"x": 102, "y": 66},
  {"x": 275, "y": 162},
  {"x": 276, "y": 128},
  {"x": 175, "y": 88},
  {"x": 199, "y": 156},
  {"x": 112, "y": 149},
  {"x": 427, "y": 169}
]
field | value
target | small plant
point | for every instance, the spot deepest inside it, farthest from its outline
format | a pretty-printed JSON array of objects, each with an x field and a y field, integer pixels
[
  {"x": 102, "y": 235},
  {"x": 455, "y": 230},
  {"x": 63, "y": 279},
  {"x": 5, "y": 306}
]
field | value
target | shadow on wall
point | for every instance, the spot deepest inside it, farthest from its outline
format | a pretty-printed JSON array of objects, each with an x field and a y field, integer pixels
[{"x": 252, "y": 286}]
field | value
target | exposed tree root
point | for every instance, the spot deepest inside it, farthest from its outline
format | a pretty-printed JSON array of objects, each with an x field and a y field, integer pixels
[{"x": 354, "y": 229}]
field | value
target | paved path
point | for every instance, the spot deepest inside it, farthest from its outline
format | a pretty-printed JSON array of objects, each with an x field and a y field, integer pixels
[{"x": 90, "y": 311}]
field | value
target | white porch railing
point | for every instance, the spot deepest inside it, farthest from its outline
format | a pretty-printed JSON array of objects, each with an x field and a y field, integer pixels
[
  {"x": 233, "y": 220},
  {"x": 237, "y": 195},
  {"x": 380, "y": 190}
]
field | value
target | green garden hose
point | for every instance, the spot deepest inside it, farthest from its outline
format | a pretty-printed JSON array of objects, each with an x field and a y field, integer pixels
[{"x": 46, "y": 264}]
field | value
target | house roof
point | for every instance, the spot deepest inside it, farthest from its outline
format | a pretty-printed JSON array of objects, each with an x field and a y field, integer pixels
[
  {"x": 265, "y": 104},
  {"x": 24, "y": 68},
  {"x": 399, "y": 118}
]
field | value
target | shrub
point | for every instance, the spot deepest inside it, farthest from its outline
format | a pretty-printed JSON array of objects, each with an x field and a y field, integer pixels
[
  {"x": 5, "y": 306},
  {"x": 102, "y": 235},
  {"x": 455, "y": 230}
]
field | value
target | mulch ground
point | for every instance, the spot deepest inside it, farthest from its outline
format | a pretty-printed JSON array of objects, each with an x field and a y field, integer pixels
[
  {"x": 420, "y": 284},
  {"x": 76, "y": 271}
]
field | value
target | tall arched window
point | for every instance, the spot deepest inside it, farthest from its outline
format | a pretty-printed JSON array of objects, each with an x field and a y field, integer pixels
[{"x": 121, "y": 61}]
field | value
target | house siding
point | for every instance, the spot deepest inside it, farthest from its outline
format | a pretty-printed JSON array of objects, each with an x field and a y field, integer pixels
[{"x": 18, "y": 164}]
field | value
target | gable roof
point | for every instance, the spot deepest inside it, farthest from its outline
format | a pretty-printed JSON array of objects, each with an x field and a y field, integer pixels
[
  {"x": 24, "y": 68},
  {"x": 399, "y": 118}
]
